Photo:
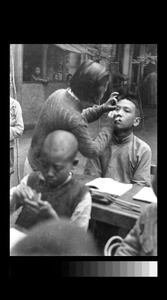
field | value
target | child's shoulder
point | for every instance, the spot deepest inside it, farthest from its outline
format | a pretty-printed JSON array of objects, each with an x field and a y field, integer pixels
[
  {"x": 79, "y": 182},
  {"x": 141, "y": 144}
]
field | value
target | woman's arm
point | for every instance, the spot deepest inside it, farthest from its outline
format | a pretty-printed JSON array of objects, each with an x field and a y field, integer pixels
[
  {"x": 93, "y": 147},
  {"x": 94, "y": 113}
]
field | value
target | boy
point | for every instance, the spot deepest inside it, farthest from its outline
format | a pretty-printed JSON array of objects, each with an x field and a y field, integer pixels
[
  {"x": 142, "y": 239},
  {"x": 16, "y": 128},
  {"x": 126, "y": 158},
  {"x": 62, "y": 195},
  {"x": 56, "y": 238}
]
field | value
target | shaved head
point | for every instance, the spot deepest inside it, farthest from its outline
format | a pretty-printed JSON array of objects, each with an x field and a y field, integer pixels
[{"x": 61, "y": 142}]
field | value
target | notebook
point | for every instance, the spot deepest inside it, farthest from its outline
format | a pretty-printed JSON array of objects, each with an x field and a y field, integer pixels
[
  {"x": 109, "y": 185},
  {"x": 146, "y": 194}
]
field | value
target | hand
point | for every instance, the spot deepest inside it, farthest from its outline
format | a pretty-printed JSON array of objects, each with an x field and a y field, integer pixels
[
  {"x": 21, "y": 193},
  {"x": 112, "y": 115},
  {"x": 46, "y": 210},
  {"x": 41, "y": 208},
  {"x": 110, "y": 105}
]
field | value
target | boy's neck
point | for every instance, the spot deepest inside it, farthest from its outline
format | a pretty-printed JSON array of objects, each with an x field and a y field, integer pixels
[
  {"x": 68, "y": 179},
  {"x": 123, "y": 134}
]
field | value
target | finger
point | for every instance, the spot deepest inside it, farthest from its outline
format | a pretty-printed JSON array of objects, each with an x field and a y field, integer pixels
[
  {"x": 114, "y": 93},
  {"x": 28, "y": 191},
  {"x": 39, "y": 197},
  {"x": 40, "y": 202},
  {"x": 46, "y": 203},
  {"x": 31, "y": 203},
  {"x": 32, "y": 209},
  {"x": 113, "y": 108},
  {"x": 110, "y": 114},
  {"x": 114, "y": 98},
  {"x": 20, "y": 194},
  {"x": 30, "y": 194}
]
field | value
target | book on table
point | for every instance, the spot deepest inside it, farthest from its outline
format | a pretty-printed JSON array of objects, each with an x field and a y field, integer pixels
[
  {"x": 146, "y": 194},
  {"x": 108, "y": 190},
  {"x": 109, "y": 185}
]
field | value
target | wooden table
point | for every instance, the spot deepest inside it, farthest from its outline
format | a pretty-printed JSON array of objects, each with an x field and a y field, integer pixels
[{"x": 112, "y": 214}]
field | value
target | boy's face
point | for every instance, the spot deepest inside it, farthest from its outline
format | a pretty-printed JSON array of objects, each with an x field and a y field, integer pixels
[
  {"x": 125, "y": 115},
  {"x": 37, "y": 71},
  {"x": 69, "y": 78},
  {"x": 55, "y": 167}
]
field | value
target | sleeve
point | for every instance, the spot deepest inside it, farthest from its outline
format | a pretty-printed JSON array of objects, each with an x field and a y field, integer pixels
[
  {"x": 131, "y": 244},
  {"x": 82, "y": 213},
  {"x": 93, "y": 113},
  {"x": 13, "y": 201},
  {"x": 93, "y": 167},
  {"x": 142, "y": 174},
  {"x": 17, "y": 130},
  {"x": 87, "y": 146}
]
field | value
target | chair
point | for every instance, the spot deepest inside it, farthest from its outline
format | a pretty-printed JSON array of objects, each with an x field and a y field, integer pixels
[{"x": 112, "y": 244}]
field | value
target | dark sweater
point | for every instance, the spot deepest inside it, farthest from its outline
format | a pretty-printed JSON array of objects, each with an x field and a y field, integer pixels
[
  {"x": 63, "y": 199},
  {"x": 63, "y": 112}
]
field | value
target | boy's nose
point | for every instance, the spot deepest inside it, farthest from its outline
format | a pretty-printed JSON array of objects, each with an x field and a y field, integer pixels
[
  {"x": 50, "y": 173},
  {"x": 118, "y": 113}
]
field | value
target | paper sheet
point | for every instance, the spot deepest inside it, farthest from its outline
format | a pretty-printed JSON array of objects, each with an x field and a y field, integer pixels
[
  {"x": 108, "y": 185},
  {"x": 146, "y": 194}
]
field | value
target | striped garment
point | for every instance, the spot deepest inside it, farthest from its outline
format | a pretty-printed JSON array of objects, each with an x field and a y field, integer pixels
[{"x": 62, "y": 111}]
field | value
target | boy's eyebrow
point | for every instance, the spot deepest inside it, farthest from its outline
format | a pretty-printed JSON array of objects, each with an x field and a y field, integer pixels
[
  {"x": 57, "y": 165},
  {"x": 124, "y": 106}
]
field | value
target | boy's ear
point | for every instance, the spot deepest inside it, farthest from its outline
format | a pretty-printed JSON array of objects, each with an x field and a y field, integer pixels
[
  {"x": 137, "y": 121},
  {"x": 75, "y": 162}
]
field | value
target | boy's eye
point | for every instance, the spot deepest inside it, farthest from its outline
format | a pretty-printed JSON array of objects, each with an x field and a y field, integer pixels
[
  {"x": 44, "y": 166},
  {"x": 58, "y": 169}
]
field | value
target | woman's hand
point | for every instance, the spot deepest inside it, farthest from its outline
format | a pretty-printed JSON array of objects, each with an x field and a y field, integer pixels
[{"x": 110, "y": 105}]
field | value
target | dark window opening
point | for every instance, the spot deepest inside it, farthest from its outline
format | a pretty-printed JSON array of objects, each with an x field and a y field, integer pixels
[
  {"x": 32, "y": 62},
  {"x": 54, "y": 68}
]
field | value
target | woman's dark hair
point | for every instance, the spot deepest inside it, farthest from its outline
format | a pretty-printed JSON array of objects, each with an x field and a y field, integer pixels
[{"x": 88, "y": 79}]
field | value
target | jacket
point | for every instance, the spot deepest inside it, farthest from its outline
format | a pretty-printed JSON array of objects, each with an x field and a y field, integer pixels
[{"x": 16, "y": 121}]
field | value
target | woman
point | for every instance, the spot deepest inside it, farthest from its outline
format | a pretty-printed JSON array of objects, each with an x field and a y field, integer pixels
[{"x": 63, "y": 110}]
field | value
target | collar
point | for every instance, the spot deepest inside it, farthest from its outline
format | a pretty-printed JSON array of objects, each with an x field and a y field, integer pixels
[
  {"x": 124, "y": 140},
  {"x": 72, "y": 94},
  {"x": 43, "y": 181}
]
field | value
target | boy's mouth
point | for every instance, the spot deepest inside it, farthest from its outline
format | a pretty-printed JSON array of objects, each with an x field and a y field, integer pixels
[
  {"x": 117, "y": 121},
  {"x": 50, "y": 180}
]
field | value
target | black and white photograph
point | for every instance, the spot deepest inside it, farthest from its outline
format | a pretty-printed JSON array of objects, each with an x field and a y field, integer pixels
[{"x": 83, "y": 151}]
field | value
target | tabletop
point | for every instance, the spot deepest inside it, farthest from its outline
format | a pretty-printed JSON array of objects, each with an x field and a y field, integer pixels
[{"x": 111, "y": 213}]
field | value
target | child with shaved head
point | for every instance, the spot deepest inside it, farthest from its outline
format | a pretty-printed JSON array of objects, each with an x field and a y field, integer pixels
[
  {"x": 53, "y": 192},
  {"x": 56, "y": 238}
]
